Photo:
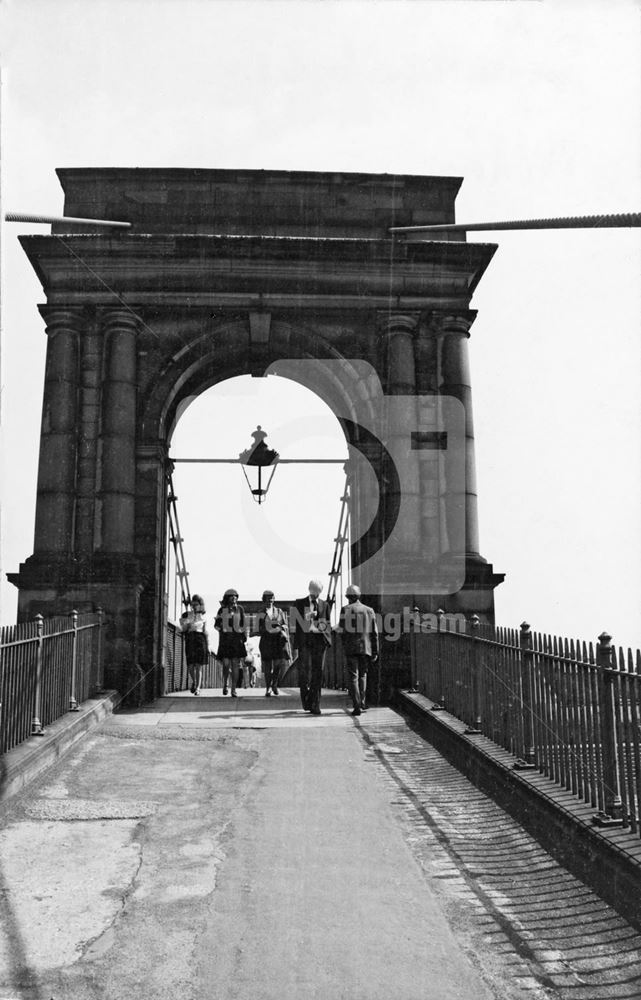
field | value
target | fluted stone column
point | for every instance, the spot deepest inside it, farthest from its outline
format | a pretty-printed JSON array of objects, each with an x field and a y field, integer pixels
[
  {"x": 454, "y": 380},
  {"x": 399, "y": 331},
  {"x": 54, "y": 527},
  {"x": 118, "y": 433},
  {"x": 434, "y": 539},
  {"x": 401, "y": 373},
  {"x": 89, "y": 422},
  {"x": 152, "y": 464}
]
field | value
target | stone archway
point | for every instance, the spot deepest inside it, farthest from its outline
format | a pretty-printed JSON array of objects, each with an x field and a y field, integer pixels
[{"x": 245, "y": 272}]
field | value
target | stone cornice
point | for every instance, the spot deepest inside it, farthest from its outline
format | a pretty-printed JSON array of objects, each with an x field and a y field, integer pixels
[
  {"x": 270, "y": 247},
  {"x": 197, "y": 268}
]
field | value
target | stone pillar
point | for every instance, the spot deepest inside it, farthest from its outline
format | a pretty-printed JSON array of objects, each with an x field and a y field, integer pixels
[
  {"x": 55, "y": 507},
  {"x": 399, "y": 330},
  {"x": 401, "y": 496},
  {"x": 89, "y": 423},
  {"x": 400, "y": 371},
  {"x": 365, "y": 501},
  {"x": 118, "y": 433},
  {"x": 430, "y": 459},
  {"x": 151, "y": 552},
  {"x": 454, "y": 380}
]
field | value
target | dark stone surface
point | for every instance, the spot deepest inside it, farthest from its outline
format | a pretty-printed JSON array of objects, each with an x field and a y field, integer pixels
[
  {"x": 270, "y": 202},
  {"x": 609, "y": 861},
  {"x": 224, "y": 273}
]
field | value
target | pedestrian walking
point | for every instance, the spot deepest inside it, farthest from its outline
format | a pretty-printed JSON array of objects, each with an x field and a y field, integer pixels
[
  {"x": 249, "y": 668},
  {"x": 312, "y": 638},
  {"x": 359, "y": 637},
  {"x": 274, "y": 643},
  {"x": 231, "y": 628},
  {"x": 193, "y": 624}
]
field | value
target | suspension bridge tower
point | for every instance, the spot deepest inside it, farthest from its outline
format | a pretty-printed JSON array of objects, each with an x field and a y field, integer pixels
[{"x": 232, "y": 272}]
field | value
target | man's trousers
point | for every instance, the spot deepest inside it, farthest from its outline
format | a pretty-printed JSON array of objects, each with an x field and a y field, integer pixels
[
  {"x": 357, "y": 667},
  {"x": 310, "y": 671}
]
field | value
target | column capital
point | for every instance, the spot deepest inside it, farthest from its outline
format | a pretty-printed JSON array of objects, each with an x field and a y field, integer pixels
[
  {"x": 118, "y": 316},
  {"x": 457, "y": 323},
  {"x": 58, "y": 317},
  {"x": 398, "y": 322}
]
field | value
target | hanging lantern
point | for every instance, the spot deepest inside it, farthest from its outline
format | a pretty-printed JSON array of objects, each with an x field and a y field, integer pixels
[{"x": 259, "y": 457}]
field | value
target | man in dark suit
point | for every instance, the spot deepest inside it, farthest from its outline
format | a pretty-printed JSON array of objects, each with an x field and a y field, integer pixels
[
  {"x": 312, "y": 637},
  {"x": 359, "y": 637}
]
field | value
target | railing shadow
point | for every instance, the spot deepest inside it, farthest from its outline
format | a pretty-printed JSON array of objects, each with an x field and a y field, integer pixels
[{"x": 520, "y": 901}]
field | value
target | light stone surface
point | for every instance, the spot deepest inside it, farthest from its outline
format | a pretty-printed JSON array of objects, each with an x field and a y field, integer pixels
[
  {"x": 322, "y": 857},
  {"x": 83, "y": 809},
  {"x": 63, "y": 885}
]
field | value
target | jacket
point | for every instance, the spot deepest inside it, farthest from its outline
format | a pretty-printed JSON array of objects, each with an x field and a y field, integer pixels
[
  {"x": 274, "y": 636},
  {"x": 358, "y": 630},
  {"x": 306, "y": 626}
]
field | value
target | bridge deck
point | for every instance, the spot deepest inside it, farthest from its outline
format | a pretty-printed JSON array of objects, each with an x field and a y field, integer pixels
[{"x": 204, "y": 847}]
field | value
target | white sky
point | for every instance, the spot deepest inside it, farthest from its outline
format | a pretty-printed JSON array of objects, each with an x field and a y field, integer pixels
[{"x": 536, "y": 105}]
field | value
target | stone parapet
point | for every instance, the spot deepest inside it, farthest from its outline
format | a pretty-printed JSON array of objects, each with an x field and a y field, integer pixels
[
  {"x": 271, "y": 202},
  {"x": 609, "y": 861}
]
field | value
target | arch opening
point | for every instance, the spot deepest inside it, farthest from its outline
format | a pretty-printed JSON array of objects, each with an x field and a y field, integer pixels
[{"x": 229, "y": 540}]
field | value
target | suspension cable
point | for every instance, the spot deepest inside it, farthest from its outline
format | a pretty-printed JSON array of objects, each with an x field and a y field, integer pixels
[
  {"x": 335, "y": 573},
  {"x": 177, "y": 541}
]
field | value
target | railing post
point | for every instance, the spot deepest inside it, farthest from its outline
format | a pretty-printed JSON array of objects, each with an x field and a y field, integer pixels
[
  {"x": 475, "y": 728},
  {"x": 73, "y": 704},
  {"x": 526, "y": 669},
  {"x": 100, "y": 674},
  {"x": 440, "y": 701},
  {"x": 416, "y": 617},
  {"x": 36, "y": 726},
  {"x": 613, "y": 813}
]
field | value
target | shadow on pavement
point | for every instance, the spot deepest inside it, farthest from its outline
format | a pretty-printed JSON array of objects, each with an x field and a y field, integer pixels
[{"x": 22, "y": 977}]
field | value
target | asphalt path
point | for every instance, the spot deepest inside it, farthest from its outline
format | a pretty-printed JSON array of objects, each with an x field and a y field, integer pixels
[{"x": 203, "y": 847}]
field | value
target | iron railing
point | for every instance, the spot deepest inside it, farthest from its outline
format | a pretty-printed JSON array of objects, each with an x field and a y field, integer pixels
[
  {"x": 47, "y": 668},
  {"x": 176, "y": 675},
  {"x": 569, "y": 709}
]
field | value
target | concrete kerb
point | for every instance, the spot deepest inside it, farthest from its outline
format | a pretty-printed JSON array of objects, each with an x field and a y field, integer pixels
[
  {"x": 27, "y": 761},
  {"x": 609, "y": 861}
]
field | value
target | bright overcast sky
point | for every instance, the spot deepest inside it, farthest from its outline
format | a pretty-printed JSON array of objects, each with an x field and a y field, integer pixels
[{"x": 536, "y": 105}]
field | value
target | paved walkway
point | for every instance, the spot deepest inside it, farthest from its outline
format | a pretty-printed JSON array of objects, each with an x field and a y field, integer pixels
[{"x": 210, "y": 848}]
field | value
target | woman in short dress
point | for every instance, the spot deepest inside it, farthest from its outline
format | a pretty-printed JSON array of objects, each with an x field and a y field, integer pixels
[
  {"x": 275, "y": 650},
  {"x": 230, "y": 625},
  {"x": 193, "y": 624}
]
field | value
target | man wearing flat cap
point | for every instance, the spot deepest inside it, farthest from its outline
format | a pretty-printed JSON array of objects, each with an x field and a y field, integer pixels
[
  {"x": 359, "y": 637},
  {"x": 312, "y": 638}
]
